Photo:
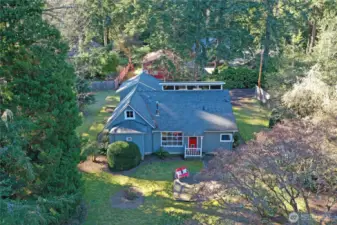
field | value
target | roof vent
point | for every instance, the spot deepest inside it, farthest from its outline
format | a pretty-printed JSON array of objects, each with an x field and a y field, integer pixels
[{"x": 157, "y": 108}]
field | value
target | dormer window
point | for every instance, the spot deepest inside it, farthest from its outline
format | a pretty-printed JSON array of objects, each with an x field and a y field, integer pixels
[{"x": 129, "y": 115}]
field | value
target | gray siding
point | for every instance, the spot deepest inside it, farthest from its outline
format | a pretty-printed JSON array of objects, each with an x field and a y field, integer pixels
[
  {"x": 138, "y": 139},
  {"x": 148, "y": 143},
  {"x": 211, "y": 142},
  {"x": 151, "y": 142}
]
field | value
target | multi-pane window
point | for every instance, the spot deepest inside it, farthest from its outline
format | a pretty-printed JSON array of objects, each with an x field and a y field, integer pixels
[
  {"x": 129, "y": 115},
  {"x": 172, "y": 139},
  {"x": 226, "y": 138}
]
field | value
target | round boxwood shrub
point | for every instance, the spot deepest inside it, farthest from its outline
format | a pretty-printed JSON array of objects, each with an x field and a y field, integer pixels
[{"x": 123, "y": 155}]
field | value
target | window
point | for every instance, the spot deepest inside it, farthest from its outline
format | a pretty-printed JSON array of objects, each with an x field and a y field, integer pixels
[
  {"x": 128, "y": 138},
  {"x": 129, "y": 115},
  {"x": 180, "y": 87},
  {"x": 226, "y": 138},
  {"x": 168, "y": 87},
  {"x": 171, "y": 139},
  {"x": 204, "y": 87},
  {"x": 216, "y": 87},
  {"x": 192, "y": 87}
]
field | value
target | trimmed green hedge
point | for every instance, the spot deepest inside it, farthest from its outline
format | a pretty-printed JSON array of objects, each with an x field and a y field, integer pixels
[
  {"x": 237, "y": 77},
  {"x": 123, "y": 155}
]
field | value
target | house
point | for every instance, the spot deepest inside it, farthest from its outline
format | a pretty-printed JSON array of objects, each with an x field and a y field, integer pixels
[{"x": 187, "y": 118}]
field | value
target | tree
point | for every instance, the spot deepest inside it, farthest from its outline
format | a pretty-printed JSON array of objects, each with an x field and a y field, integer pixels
[
  {"x": 84, "y": 95},
  {"x": 311, "y": 96},
  {"x": 295, "y": 161},
  {"x": 41, "y": 94}
]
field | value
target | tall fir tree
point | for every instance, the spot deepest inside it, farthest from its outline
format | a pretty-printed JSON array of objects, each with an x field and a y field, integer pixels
[{"x": 40, "y": 93}]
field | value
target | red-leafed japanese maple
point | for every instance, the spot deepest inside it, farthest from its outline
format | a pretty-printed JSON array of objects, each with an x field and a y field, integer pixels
[{"x": 294, "y": 162}]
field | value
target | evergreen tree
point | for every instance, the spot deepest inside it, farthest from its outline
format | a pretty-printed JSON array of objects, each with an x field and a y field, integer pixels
[{"x": 41, "y": 142}]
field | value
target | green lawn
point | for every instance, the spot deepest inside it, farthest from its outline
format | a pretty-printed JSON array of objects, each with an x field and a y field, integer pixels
[
  {"x": 155, "y": 181},
  {"x": 95, "y": 114},
  {"x": 250, "y": 117}
]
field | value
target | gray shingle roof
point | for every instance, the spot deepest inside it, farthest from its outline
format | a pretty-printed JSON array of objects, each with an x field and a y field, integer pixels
[
  {"x": 192, "y": 112},
  {"x": 144, "y": 80},
  {"x": 137, "y": 103},
  {"x": 129, "y": 127}
]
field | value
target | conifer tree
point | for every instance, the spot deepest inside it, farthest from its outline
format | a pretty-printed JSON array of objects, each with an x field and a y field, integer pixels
[{"x": 39, "y": 148}]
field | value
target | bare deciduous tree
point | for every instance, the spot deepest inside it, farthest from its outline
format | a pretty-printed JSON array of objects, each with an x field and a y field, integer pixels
[{"x": 293, "y": 163}]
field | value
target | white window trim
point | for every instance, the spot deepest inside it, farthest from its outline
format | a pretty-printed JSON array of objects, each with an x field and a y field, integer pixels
[
  {"x": 194, "y": 85},
  {"x": 128, "y": 138},
  {"x": 129, "y": 118},
  {"x": 230, "y": 135},
  {"x": 171, "y": 146}
]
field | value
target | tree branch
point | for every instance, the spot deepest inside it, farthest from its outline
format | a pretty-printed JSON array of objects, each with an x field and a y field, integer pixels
[{"x": 60, "y": 7}]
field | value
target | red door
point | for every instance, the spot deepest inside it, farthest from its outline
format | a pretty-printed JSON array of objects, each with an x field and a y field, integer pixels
[{"x": 192, "y": 142}]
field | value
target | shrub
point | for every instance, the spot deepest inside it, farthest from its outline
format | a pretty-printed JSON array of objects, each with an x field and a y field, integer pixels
[
  {"x": 161, "y": 153},
  {"x": 237, "y": 140},
  {"x": 311, "y": 96},
  {"x": 103, "y": 139},
  {"x": 237, "y": 77},
  {"x": 89, "y": 148},
  {"x": 123, "y": 155}
]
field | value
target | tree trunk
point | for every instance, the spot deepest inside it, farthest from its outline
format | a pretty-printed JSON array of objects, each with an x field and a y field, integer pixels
[
  {"x": 266, "y": 43},
  {"x": 306, "y": 203},
  {"x": 312, "y": 37},
  {"x": 105, "y": 36}
]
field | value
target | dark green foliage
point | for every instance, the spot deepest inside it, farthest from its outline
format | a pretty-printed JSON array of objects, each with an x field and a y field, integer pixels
[
  {"x": 103, "y": 140},
  {"x": 39, "y": 167},
  {"x": 96, "y": 63},
  {"x": 123, "y": 155},
  {"x": 237, "y": 77},
  {"x": 237, "y": 140},
  {"x": 161, "y": 153},
  {"x": 89, "y": 148},
  {"x": 278, "y": 114},
  {"x": 84, "y": 94}
]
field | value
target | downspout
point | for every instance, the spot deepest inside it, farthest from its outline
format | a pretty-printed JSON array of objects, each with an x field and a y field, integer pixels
[{"x": 143, "y": 154}]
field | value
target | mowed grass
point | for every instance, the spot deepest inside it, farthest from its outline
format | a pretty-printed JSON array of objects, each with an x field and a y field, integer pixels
[
  {"x": 95, "y": 115},
  {"x": 250, "y": 117},
  {"x": 155, "y": 180}
]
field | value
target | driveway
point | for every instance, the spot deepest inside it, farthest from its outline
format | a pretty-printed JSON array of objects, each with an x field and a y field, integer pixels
[{"x": 239, "y": 94}]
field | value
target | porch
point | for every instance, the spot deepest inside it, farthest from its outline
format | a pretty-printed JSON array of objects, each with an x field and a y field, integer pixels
[{"x": 193, "y": 148}]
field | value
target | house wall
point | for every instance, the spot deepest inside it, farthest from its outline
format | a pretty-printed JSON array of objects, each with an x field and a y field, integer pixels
[
  {"x": 121, "y": 118},
  {"x": 138, "y": 139},
  {"x": 211, "y": 142},
  {"x": 151, "y": 142},
  {"x": 148, "y": 149}
]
